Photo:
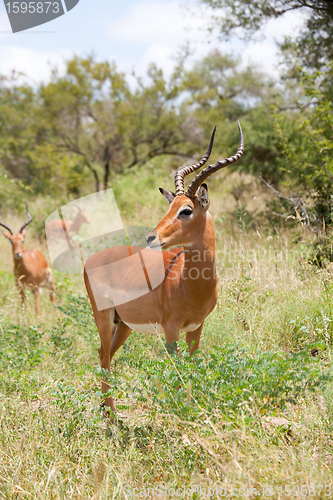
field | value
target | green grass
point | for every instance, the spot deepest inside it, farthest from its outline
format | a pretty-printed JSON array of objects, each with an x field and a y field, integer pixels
[
  {"x": 180, "y": 421},
  {"x": 202, "y": 422}
]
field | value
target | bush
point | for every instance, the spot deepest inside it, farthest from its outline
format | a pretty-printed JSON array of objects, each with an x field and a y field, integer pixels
[{"x": 228, "y": 380}]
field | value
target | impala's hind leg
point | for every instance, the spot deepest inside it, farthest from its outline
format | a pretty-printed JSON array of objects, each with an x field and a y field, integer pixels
[
  {"x": 36, "y": 294},
  {"x": 50, "y": 285},
  {"x": 121, "y": 332},
  {"x": 52, "y": 299},
  {"x": 193, "y": 339},
  {"x": 104, "y": 321}
]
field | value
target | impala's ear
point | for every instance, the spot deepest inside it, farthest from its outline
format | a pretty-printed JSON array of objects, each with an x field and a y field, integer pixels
[
  {"x": 7, "y": 234},
  {"x": 24, "y": 232},
  {"x": 168, "y": 195},
  {"x": 203, "y": 198},
  {"x": 76, "y": 210}
]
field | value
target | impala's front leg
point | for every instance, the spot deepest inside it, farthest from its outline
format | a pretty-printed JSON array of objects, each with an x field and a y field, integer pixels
[
  {"x": 193, "y": 339},
  {"x": 20, "y": 288},
  {"x": 171, "y": 333}
]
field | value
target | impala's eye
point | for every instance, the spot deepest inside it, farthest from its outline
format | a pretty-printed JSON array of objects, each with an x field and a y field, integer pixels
[{"x": 186, "y": 213}]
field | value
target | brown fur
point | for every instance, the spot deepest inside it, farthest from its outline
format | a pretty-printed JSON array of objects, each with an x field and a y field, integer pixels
[
  {"x": 30, "y": 269},
  {"x": 187, "y": 294}
]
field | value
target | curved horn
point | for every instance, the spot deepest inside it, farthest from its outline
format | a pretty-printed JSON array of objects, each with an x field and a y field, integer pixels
[
  {"x": 211, "y": 169},
  {"x": 4, "y": 225},
  {"x": 183, "y": 171},
  {"x": 29, "y": 218}
]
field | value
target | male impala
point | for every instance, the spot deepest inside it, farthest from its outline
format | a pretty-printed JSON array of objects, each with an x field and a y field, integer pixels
[
  {"x": 55, "y": 228},
  {"x": 188, "y": 292},
  {"x": 30, "y": 266}
]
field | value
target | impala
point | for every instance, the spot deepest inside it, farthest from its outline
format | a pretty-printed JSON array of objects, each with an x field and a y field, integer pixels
[
  {"x": 30, "y": 266},
  {"x": 188, "y": 291},
  {"x": 55, "y": 228}
]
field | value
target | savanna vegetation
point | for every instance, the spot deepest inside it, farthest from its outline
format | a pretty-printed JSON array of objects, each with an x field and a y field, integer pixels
[{"x": 253, "y": 408}]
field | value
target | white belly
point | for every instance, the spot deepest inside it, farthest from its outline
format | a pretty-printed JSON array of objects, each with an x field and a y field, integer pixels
[
  {"x": 150, "y": 328},
  {"x": 156, "y": 328},
  {"x": 191, "y": 328}
]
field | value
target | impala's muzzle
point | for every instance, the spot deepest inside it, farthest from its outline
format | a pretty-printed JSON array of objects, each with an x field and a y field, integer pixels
[
  {"x": 151, "y": 237},
  {"x": 17, "y": 250},
  {"x": 153, "y": 240}
]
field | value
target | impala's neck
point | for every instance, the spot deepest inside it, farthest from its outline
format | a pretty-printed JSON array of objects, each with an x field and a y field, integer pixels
[
  {"x": 18, "y": 261},
  {"x": 76, "y": 224},
  {"x": 199, "y": 264}
]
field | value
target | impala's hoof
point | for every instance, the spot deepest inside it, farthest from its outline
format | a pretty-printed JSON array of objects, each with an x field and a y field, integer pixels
[
  {"x": 108, "y": 413},
  {"x": 171, "y": 347}
]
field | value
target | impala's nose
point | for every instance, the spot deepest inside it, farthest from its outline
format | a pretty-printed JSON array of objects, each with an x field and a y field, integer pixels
[
  {"x": 18, "y": 255},
  {"x": 151, "y": 237}
]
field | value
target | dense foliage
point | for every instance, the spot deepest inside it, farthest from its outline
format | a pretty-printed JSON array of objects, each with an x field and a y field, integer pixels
[
  {"x": 90, "y": 123},
  {"x": 313, "y": 44}
]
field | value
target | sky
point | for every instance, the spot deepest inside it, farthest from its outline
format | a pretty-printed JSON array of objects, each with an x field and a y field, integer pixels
[{"x": 133, "y": 33}]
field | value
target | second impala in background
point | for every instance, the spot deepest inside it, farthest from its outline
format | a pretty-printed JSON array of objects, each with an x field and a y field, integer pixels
[{"x": 30, "y": 266}]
